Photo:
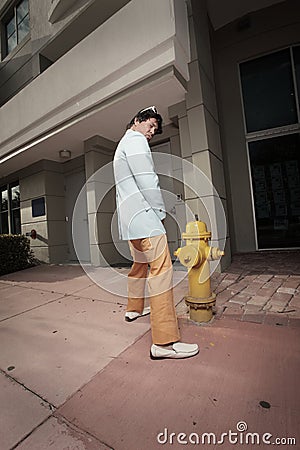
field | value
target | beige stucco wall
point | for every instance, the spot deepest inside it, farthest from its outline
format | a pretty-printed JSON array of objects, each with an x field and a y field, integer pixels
[
  {"x": 50, "y": 37},
  {"x": 100, "y": 200},
  {"x": 111, "y": 60},
  {"x": 270, "y": 29}
]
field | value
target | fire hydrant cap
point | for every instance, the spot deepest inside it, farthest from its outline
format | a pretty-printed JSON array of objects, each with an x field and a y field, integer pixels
[{"x": 196, "y": 229}]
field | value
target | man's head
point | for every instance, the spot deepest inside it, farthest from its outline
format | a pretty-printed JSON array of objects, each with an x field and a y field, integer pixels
[{"x": 147, "y": 121}]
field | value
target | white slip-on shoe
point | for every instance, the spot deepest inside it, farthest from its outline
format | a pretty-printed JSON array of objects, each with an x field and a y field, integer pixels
[
  {"x": 132, "y": 315},
  {"x": 179, "y": 350}
]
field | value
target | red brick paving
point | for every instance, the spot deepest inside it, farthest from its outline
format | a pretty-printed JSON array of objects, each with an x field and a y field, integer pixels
[{"x": 261, "y": 287}]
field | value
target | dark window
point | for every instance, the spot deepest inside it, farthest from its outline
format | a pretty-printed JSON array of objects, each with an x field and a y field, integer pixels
[
  {"x": 10, "y": 209},
  {"x": 38, "y": 207},
  {"x": 268, "y": 92},
  {"x": 4, "y": 211},
  {"x": 15, "y": 209},
  {"x": 16, "y": 25}
]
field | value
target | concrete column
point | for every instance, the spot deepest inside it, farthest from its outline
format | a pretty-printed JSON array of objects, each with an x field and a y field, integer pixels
[
  {"x": 45, "y": 180},
  {"x": 101, "y": 201},
  {"x": 199, "y": 133}
]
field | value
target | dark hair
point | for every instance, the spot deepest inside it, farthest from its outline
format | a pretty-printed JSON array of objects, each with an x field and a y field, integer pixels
[{"x": 146, "y": 114}]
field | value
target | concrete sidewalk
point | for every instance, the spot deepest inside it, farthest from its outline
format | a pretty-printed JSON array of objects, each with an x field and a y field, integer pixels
[{"x": 75, "y": 375}]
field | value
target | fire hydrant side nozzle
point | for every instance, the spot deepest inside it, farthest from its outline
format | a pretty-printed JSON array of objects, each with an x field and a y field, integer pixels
[{"x": 195, "y": 255}]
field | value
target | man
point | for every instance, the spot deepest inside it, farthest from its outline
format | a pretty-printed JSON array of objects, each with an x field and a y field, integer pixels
[{"x": 141, "y": 212}]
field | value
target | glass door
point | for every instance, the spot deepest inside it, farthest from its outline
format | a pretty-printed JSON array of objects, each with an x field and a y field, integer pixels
[{"x": 275, "y": 171}]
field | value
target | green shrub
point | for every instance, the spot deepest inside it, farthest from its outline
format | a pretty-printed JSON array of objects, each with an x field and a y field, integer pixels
[{"x": 15, "y": 253}]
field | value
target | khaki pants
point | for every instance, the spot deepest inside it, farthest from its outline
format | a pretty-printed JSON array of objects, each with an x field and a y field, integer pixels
[{"x": 153, "y": 251}]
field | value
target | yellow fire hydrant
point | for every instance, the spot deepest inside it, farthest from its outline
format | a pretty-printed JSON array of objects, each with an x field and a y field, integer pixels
[{"x": 196, "y": 256}]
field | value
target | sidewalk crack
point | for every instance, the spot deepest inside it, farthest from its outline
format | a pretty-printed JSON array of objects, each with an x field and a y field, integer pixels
[
  {"x": 32, "y": 309},
  {"x": 26, "y": 388}
]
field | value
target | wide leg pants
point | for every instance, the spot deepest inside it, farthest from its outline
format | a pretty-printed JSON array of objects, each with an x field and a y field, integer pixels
[{"x": 153, "y": 252}]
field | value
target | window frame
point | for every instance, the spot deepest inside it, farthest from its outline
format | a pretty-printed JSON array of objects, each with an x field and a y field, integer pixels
[
  {"x": 10, "y": 14},
  {"x": 10, "y": 210},
  {"x": 269, "y": 132},
  {"x": 276, "y": 131}
]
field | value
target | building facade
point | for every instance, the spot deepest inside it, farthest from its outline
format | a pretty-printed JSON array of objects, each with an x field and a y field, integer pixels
[{"x": 225, "y": 79}]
